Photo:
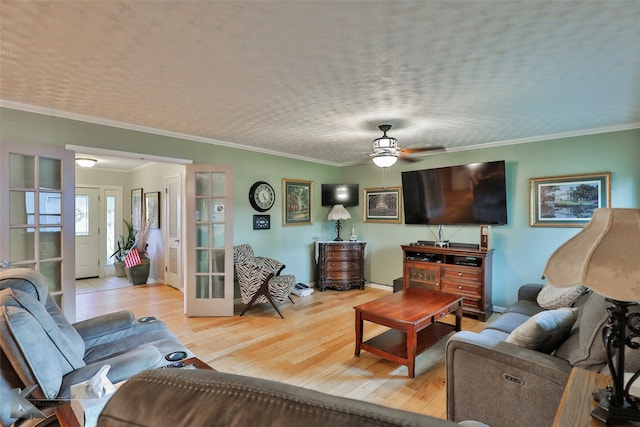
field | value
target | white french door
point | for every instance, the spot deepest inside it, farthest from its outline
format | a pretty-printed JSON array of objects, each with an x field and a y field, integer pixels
[
  {"x": 88, "y": 236},
  {"x": 37, "y": 216},
  {"x": 173, "y": 260},
  {"x": 208, "y": 254}
]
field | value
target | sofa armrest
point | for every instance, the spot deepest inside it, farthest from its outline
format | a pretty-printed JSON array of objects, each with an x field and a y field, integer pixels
[
  {"x": 210, "y": 398},
  {"x": 103, "y": 325},
  {"x": 521, "y": 384},
  {"x": 529, "y": 292},
  {"x": 123, "y": 366}
]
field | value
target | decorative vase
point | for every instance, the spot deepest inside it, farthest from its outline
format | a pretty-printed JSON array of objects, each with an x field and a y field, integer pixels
[
  {"x": 120, "y": 270},
  {"x": 139, "y": 274}
]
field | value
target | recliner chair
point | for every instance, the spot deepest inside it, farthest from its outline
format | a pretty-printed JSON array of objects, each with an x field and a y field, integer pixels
[
  {"x": 40, "y": 347},
  {"x": 259, "y": 279}
]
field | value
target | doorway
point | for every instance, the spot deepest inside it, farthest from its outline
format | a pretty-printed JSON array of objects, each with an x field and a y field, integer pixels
[
  {"x": 116, "y": 174},
  {"x": 98, "y": 216}
]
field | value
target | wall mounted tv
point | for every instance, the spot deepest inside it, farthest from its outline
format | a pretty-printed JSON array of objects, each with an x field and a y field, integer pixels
[
  {"x": 340, "y": 194},
  {"x": 466, "y": 194}
]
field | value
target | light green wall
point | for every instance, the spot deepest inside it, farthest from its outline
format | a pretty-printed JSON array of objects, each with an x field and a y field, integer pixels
[
  {"x": 291, "y": 245},
  {"x": 520, "y": 251}
]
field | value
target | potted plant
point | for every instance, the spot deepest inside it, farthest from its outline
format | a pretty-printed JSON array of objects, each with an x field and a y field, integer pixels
[
  {"x": 125, "y": 244},
  {"x": 138, "y": 274}
]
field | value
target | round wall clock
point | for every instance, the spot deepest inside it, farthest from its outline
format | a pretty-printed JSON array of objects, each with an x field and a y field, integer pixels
[{"x": 262, "y": 196}]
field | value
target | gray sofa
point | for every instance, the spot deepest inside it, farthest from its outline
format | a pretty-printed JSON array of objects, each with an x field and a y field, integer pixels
[
  {"x": 179, "y": 397},
  {"x": 503, "y": 384},
  {"x": 39, "y": 347}
]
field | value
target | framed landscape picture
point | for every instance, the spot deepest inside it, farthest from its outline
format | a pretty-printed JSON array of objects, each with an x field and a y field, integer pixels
[
  {"x": 152, "y": 208},
  {"x": 297, "y": 202},
  {"x": 383, "y": 204},
  {"x": 137, "y": 208},
  {"x": 568, "y": 201}
]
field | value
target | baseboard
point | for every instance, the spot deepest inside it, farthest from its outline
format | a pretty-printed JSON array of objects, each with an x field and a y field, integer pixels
[
  {"x": 498, "y": 309},
  {"x": 366, "y": 285},
  {"x": 378, "y": 286}
]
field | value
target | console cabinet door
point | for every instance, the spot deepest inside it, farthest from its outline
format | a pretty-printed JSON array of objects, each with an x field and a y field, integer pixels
[{"x": 423, "y": 275}]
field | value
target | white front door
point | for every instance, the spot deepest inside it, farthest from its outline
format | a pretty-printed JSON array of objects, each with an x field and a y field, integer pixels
[
  {"x": 173, "y": 260},
  {"x": 87, "y": 215},
  {"x": 208, "y": 267},
  {"x": 37, "y": 216}
]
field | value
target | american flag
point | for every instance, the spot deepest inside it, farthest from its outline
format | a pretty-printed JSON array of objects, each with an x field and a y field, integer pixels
[{"x": 133, "y": 257}]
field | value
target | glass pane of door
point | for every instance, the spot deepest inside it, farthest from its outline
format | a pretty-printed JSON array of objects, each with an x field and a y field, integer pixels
[
  {"x": 39, "y": 222},
  {"x": 209, "y": 263}
]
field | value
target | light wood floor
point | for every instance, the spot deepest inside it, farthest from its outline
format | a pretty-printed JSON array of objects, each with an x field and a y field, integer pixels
[{"x": 313, "y": 347}]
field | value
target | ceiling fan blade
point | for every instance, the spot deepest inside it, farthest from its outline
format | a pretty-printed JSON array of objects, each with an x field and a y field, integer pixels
[
  {"x": 422, "y": 149},
  {"x": 409, "y": 159}
]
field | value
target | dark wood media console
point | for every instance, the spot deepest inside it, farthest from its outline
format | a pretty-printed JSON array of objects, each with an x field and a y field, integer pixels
[{"x": 462, "y": 270}]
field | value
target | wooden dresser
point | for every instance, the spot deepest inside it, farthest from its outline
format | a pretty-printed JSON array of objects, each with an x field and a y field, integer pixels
[
  {"x": 340, "y": 265},
  {"x": 462, "y": 271}
]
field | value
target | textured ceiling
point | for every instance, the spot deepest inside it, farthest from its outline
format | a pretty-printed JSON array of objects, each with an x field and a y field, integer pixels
[{"x": 313, "y": 79}]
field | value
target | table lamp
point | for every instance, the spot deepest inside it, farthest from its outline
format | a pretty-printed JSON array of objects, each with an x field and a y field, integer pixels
[
  {"x": 337, "y": 213},
  {"x": 604, "y": 257}
]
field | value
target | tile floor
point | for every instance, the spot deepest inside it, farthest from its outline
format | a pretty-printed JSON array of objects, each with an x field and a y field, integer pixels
[{"x": 85, "y": 286}]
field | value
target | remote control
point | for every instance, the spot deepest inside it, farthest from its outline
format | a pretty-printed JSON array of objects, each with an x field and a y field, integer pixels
[{"x": 174, "y": 365}]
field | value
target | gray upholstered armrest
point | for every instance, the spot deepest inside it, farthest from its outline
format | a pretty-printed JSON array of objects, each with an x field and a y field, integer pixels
[
  {"x": 103, "y": 325},
  {"x": 172, "y": 397},
  {"x": 123, "y": 366},
  {"x": 529, "y": 292},
  {"x": 116, "y": 326},
  {"x": 480, "y": 367}
]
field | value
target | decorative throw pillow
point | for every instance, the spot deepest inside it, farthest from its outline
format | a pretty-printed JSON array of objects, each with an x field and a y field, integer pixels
[
  {"x": 544, "y": 331},
  {"x": 551, "y": 297}
]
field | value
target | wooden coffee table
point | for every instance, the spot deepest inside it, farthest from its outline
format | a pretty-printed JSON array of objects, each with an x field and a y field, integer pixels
[{"x": 412, "y": 315}]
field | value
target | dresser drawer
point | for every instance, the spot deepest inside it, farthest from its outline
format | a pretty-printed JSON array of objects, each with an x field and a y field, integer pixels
[
  {"x": 346, "y": 265},
  {"x": 333, "y": 254},
  {"x": 472, "y": 304},
  {"x": 462, "y": 288},
  {"x": 342, "y": 275},
  {"x": 337, "y": 247},
  {"x": 462, "y": 273}
]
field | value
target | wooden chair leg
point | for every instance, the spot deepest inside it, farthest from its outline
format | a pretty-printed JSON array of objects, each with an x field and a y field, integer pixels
[
  {"x": 264, "y": 291},
  {"x": 261, "y": 291},
  {"x": 273, "y": 303}
]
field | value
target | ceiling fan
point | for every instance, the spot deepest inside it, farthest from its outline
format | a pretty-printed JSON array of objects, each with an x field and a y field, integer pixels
[{"x": 386, "y": 151}]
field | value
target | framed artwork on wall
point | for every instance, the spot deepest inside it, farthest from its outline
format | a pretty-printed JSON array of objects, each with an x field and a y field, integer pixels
[
  {"x": 136, "y": 208},
  {"x": 152, "y": 208},
  {"x": 383, "y": 205},
  {"x": 297, "y": 202},
  {"x": 568, "y": 201}
]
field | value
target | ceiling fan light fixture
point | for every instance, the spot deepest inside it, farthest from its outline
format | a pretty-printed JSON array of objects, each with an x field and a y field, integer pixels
[
  {"x": 384, "y": 160},
  {"x": 385, "y": 142},
  {"x": 84, "y": 162}
]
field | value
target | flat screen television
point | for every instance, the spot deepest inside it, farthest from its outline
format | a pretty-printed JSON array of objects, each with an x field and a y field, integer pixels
[
  {"x": 340, "y": 194},
  {"x": 466, "y": 194}
]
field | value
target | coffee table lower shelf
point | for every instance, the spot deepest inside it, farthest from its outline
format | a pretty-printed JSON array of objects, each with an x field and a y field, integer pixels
[{"x": 392, "y": 344}]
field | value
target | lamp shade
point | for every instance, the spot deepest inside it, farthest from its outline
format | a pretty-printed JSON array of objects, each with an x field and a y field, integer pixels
[
  {"x": 338, "y": 212},
  {"x": 384, "y": 160},
  {"x": 603, "y": 256}
]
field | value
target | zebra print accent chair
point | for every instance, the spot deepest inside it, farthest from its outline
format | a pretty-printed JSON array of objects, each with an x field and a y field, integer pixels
[{"x": 259, "y": 279}]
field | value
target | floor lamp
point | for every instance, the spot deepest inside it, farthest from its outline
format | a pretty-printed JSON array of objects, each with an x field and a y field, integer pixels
[{"x": 604, "y": 257}]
